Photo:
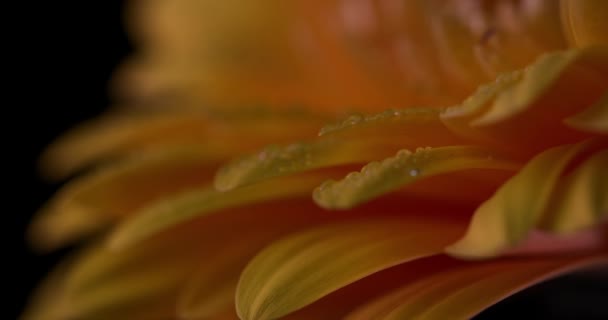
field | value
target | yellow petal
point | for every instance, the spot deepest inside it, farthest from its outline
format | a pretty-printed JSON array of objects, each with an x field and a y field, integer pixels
[
  {"x": 505, "y": 219},
  {"x": 593, "y": 119},
  {"x": 106, "y": 279},
  {"x": 458, "y": 118},
  {"x": 97, "y": 199},
  {"x": 412, "y": 126},
  {"x": 357, "y": 139},
  {"x": 543, "y": 75},
  {"x": 555, "y": 87},
  {"x": 376, "y": 179},
  {"x": 212, "y": 288},
  {"x": 279, "y": 161},
  {"x": 468, "y": 288},
  {"x": 102, "y": 284},
  {"x": 303, "y": 268},
  {"x": 581, "y": 200}
]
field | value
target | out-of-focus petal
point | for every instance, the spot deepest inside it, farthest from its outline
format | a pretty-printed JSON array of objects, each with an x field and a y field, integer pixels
[
  {"x": 585, "y": 22},
  {"x": 518, "y": 206},
  {"x": 378, "y": 178},
  {"x": 98, "y": 199},
  {"x": 469, "y": 288},
  {"x": 47, "y": 300},
  {"x": 304, "y": 267},
  {"x": 331, "y": 55},
  {"x": 200, "y": 202},
  {"x": 223, "y": 134},
  {"x": 113, "y": 282}
]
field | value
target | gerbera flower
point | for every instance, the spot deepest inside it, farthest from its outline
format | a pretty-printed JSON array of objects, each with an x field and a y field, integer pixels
[{"x": 432, "y": 212}]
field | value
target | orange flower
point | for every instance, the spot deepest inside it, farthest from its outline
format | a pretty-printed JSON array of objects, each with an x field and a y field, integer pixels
[{"x": 409, "y": 213}]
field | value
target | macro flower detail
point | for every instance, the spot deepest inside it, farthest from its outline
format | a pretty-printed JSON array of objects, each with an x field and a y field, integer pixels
[{"x": 491, "y": 176}]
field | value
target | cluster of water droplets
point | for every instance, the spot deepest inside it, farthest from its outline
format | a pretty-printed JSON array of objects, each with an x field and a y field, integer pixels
[
  {"x": 483, "y": 95},
  {"x": 269, "y": 162},
  {"x": 374, "y": 179},
  {"x": 390, "y": 115}
]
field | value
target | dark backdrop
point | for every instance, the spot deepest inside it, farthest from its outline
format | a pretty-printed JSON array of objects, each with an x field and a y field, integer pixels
[{"x": 65, "y": 53}]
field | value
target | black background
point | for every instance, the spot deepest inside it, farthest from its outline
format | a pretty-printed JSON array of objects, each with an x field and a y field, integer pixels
[{"x": 63, "y": 54}]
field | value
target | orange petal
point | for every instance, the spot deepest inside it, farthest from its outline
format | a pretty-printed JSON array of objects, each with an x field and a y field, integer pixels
[
  {"x": 468, "y": 288},
  {"x": 206, "y": 201},
  {"x": 212, "y": 288},
  {"x": 303, "y": 268},
  {"x": 585, "y": 22},
  {"x": 113, "y": 282},
  {"x": 98, "y": 199},
  {"x": 223, "y": 134}
]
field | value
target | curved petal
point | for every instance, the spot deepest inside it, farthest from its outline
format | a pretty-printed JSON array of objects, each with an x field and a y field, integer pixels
[
  {"x": 554, "y": 88},
  {"x": 357, "y": 139},
  {"x": 593, "y": 119},
  {"x": 376, "y": 178},
  {"x": 117, "y": 282},
  {"x": 279, "y": 161},
  {"x": 302, "y": 268},
  {"x": 581, "y": 198},
  {"x": 517, "y": 207}
]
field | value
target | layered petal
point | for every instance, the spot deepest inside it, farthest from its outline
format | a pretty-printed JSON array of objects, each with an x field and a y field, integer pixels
[
  {"x": 505, "y": 219},
  {"x": 580, "y": 200},
  {"x": 100, "y": 198},
  {"x": 357, "y": 139},
  {"x": 558, "y": 86},
  {"x": 197, "y": 203},
  {"x": 466, "y": 289},
  {"x": 305, "y": 267},
  {"x": 222, "y": 134},
  {"x": 172, "y": 271},
  {"x": 338, "y": 55}
]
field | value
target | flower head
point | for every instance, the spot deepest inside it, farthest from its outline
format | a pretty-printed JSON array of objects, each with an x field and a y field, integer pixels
[{"x": 201, "y": 204}]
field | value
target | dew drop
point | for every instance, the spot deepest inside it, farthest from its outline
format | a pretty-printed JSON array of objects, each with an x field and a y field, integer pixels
[
  {"x": 403, "y": 153},
  {"x": 414, "y": 172},
  {"x": 354, "y": 119}
]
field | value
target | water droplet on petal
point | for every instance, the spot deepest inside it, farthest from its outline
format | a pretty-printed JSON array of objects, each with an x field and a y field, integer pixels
[
  {"x": 414, "y": 172},
  {"x": 403, "y": 153},
  {"x": 354, "y": 119}
]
